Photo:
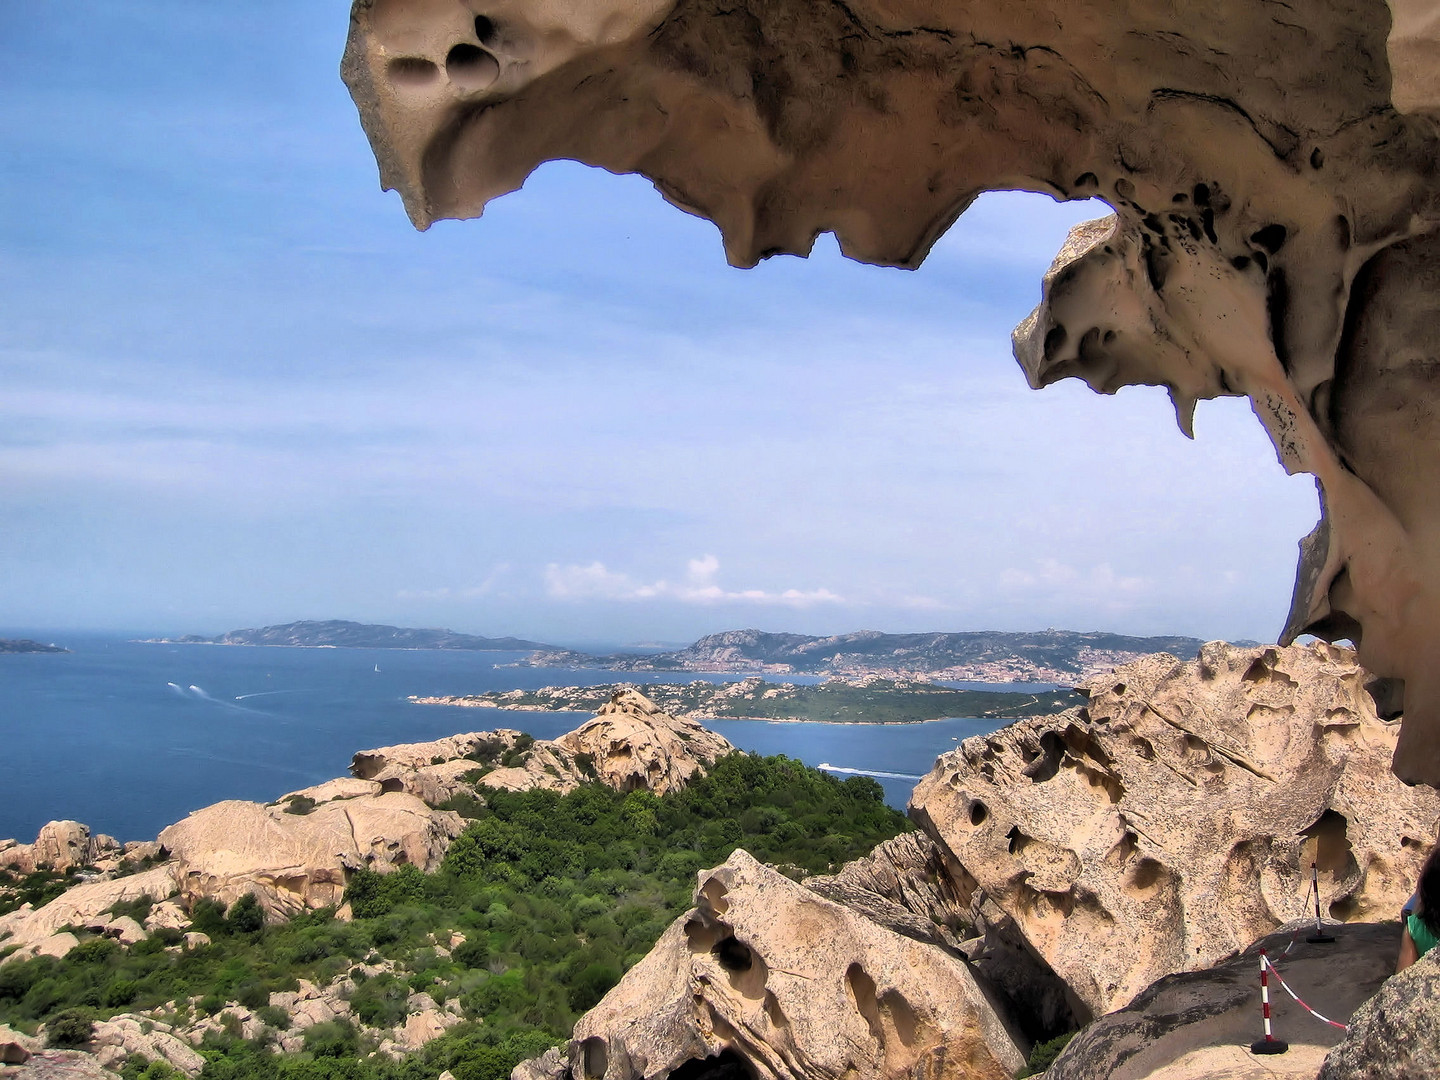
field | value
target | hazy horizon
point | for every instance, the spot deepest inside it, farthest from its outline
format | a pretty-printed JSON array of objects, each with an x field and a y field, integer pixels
[{"x": 241, "y": 390}]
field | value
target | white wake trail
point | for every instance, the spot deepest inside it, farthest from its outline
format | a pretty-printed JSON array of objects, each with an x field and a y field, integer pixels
[{"x": 867, "y": 772}]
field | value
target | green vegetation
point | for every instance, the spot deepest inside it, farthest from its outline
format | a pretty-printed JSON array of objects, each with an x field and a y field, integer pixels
[
  {"x": 37, "y": 889},
  {"x": 1044, "y": 1054},
  {"x": 555, "y": 896},
  {"x": 872, "y": 701}
]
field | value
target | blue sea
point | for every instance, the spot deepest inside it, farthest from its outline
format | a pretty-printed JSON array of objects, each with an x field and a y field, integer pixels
[{"x": 129, "y": 737}]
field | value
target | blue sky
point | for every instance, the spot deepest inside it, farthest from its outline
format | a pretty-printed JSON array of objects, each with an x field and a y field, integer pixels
[{"x": 239, "y": 388}]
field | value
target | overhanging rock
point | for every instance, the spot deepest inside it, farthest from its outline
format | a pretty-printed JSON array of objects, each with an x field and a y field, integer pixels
[{"x": 1272, "y": 168}]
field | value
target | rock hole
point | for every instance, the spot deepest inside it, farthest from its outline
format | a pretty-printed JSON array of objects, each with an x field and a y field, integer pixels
[
  {"x": 1155, "y": 268},
  {"x": 862, "y": 993},
  {"x": 726, "y": 1065},
  {"x": 1148, "y": 877},
  {"x": 1240, "y": 262},
  {"x": 1201, "y": 194},
  {"x": 1044, "y": 767},
  {"x": 1118, "y": 688},
  {"x": 1271, "y": 237},
  {"x": 714, "y": 895},
  {"x": 978, "y": 813},
  {"x": 594, "y": 1057},
  {"x": 701, "y": 935},
  {"x": 470, "y": 67},
  {"x": 902, "y": 1016},
  {"x": 1317, "y": 158},
  {"x": 733, "y": 955},
  {"x": 1087, "y": 179},
  {"x": 484, "y": 29},
  {"x": 1143, "y": 747},
  {"x": 411, "y": 71},
  {"x": 773, "y": 1012},
  {"x": 1207, "y": 222},
  {"x": 1124, "y": 188},
  {"x": 1054, "y": 342},
  {"x": 1018, "y": 841},
  {"x": 1328, "y": 846},
  {"x": 748, "y": 973},
  {"x": 1389, "y": 697}
]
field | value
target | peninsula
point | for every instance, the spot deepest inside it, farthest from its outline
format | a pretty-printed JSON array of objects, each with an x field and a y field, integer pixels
[
  {"x": 872, "y": 700},
  {"x": 25, "y": 645},
  {"x": 344, "y": 634}
]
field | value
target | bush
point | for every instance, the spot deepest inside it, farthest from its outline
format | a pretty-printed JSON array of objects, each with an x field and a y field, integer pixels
[
  {"x": 591, "y": 985},
  {"x": 273, "y": 1016},
  {"x": 332, "y": 1039},
  {"x": 246, "y": 915},
  {"x": 474, "y": 952},
  {"x": 300, "y": 804},
  {"x": 95, "y": 951},
  {"x": 120, "y": 993},
  {"x": 1044, "y": 1054},
  {"x": 70, "y": 1028}
]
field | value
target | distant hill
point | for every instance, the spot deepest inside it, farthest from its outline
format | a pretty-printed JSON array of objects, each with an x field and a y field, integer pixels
[
  {"x": 25, "y": 645},
  {"x": 985, "y": 656},
  {"x": 343, "y": 634}
]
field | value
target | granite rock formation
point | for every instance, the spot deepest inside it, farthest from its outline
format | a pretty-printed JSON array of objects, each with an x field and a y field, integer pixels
[
  {"x": 1200, "y": 1024},
  {"x": 631, "y": 743},
  {"x": 298, "y": 861},
  {"x": 1271, "y": 168},
  {"x": 42, "y": 931},
  {"x": 1396, "y": 1034},
  {"x": 766, "y": 972},
  {"x": 59, "y": 846},
  {"x": 1174, "y": 819}
]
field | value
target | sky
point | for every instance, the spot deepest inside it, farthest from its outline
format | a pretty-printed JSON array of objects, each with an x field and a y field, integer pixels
[{"x": 240, "y": 389}]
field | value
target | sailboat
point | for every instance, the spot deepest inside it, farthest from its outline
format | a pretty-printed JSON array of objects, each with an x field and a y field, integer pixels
[{"x": 377, "y": 669}]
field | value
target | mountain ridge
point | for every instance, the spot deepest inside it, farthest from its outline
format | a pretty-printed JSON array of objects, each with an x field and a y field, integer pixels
[{"x": 347, "y": 634}]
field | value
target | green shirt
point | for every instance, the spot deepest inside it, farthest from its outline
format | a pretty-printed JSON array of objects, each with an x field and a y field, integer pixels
[{"x": 1425, "y": 939}]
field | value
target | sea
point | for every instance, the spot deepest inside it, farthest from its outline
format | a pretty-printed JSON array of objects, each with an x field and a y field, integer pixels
[{"x": 129, "y": 737}]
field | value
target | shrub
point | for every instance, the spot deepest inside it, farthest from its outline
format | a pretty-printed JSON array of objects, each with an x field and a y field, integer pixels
[
  {"x": 592, "y": 984},
  {"x": 1044, "y": 1054},
  {"x": 120, "y": 993},
  {"x": 95, "y": 951},
  {"x": 300, "y": 804},
  {"x": 332, "y": 1039},
  {"x": 70, "y": 1027},
  {"x": 474, "y": 952},
  {"x": 208, "y": 916},
  {"x": 273, "y": 1016},
  {"x": 246, "y": 915}
]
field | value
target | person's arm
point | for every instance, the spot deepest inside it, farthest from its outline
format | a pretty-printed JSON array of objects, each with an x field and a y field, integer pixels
[{"x": 1408, "y": 953}]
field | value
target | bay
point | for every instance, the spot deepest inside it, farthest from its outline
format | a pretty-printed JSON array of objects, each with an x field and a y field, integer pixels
[{"x": 129, "y": 737}]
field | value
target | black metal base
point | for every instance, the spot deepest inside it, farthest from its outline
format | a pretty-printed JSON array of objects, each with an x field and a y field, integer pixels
[
  {"x": 1320, "y": 939},
  {"x": 1269, "y": 1046}
]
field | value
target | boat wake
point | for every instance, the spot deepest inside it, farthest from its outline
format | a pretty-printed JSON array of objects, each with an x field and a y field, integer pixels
[{"x": 867, "y": 772}]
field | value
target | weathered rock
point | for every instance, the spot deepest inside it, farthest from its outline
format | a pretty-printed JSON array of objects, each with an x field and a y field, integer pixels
[
  {"x": 1271, "y": 168},
  {"x": 296, "y": 861},
  {"x": 634, "y": 744},
  {"x": 631, "y": 743},
  {"x": 60, "y": 846},
  {"x": 1396, "y": 1034},
  {"x": 766, "y": 971},
  {"x": 83, "y": 905},
  {"x": 1174, "y": 819},
  {"x": 1201, "y": 1023},
  {"x": 166, "y": 915},
  {"x": 16, "y": 1048},
  {"x": 61, "y": 1065},
  {"x": 120, "y": 1036}
]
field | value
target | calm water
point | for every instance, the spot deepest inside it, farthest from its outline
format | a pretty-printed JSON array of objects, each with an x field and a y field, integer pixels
[{"x": 130, "y": 737}]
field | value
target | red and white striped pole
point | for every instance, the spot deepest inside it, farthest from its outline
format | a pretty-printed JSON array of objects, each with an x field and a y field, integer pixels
[
  {"x": 1319, "y": 937},
  {"x": 1269, "y": 1044}
]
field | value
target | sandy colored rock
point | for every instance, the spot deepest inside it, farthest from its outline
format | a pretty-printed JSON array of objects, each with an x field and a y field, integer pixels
[
  {"x": 1271, "y": 169},
  {"x": 60, "y": 1065},
  {"x": 166, "y": 915},
  {"x": 16, "y": 1048},
  {"x": 1203, "y": 1020},
  {"x": 60, "y": 846},
  {"x": 296, "y": 861},
  {"x": 796, "y": 986},
  {"x": 83, "y": 905},
  {"x": 120, "y": 1036},
  {"x": 637, "y": 745},
  {"x": 1174, "y": 819},
  {"x": 631, "y": 743}
]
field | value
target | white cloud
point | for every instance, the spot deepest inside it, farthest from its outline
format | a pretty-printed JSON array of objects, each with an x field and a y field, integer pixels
[
  {"x": 1098, "y": 585},
  {"x": 596, "y": 581}
]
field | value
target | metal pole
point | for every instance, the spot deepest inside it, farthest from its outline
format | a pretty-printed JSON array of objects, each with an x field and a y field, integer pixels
[
  {"x": 1269, "y": 1044},
  {"x": 1319, "y": 937}
]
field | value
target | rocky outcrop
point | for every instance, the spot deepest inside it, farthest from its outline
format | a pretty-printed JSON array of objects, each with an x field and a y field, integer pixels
[
  {"x": 776, "y": 981},
  {"x": 1200, "y": 1024},
  {"x": 631, "y": 743},
  {"x": 1270, "y": 168},
  {"x": 116, "y": 1039},
  {"x": 294, "y": 861},
  {"x": 1396, "y": 1034},
  {"x": 38, "y": 931},
  {"x": 60, "y": 846},
  {"x": 1174, "y": 819}
]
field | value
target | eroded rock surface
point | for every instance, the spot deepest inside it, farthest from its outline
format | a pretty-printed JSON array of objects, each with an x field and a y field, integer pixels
[
  {"x": 296, "y": 861},
  {"x": 60, "y": 846},
  {"x": 781, "y": 983},
  {"x": 1271, "y": 168},
  {"x": 630, "y": 744},
  {"x": 1174, "y": 819},
  {"x": 39, "y": 931}
]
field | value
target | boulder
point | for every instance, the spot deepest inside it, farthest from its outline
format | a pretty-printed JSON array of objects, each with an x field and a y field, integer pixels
[
  {"x": 631, "y": 743},
  {"x": 1396, "y": 1034},
  {"x": 297, "y": 861},
  {"x": 1175, "y": 817},
  {"x": 60, "y": 846},
  {"x": 121, "y": 1036},
  {"x": 61, "y": 1065},
  {"x": 15, "y": 1048},
  {"x": 1276, "y": 226},
  {"x": 1200, "y": 1024},
  {"x": 634, "y": 744},
  {"x": 776, "y": 982},
  {"x": 83, "y": 905}
]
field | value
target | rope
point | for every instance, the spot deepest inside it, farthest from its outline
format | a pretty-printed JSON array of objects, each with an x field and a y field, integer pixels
[{"x": 1265, "y": 962}]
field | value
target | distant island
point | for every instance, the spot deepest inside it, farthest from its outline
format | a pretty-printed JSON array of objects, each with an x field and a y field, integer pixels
[
  {"x": 25, "y": 645},
  {"x": 343, "y": 634},
  {"x": 838, "y": 701},
  {"x": 1058, "y": 656}
]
